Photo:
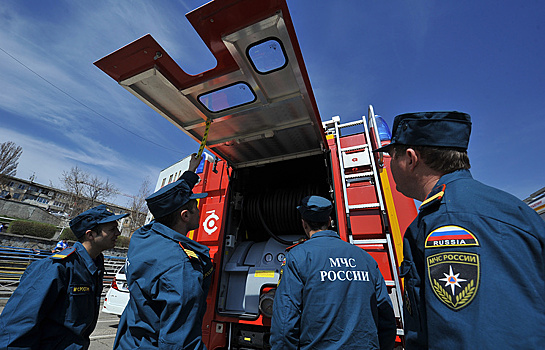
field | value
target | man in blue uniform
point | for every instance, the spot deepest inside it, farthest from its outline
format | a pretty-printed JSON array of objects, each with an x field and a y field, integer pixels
[
  {"x": 474, "y": 260},
  {"x": 61, "y": 245},
  {"x": 57, "y": 302},
  {"x": 331, "y": 294},
  {"x": 168, "y": 274}
]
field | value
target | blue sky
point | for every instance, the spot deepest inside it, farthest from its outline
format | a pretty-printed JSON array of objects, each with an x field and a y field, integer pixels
[{"x": 485, "y": 58}]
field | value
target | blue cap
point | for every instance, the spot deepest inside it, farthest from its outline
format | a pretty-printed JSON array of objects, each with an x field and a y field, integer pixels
[
  {"x": 434, "y": 129},
  {"x": 171, "y": 197},
  {"x": 315, "y": 208},
  {"x": 89, "y": 219}
]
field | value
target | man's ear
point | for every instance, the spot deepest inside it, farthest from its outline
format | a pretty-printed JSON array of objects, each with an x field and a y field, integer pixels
[
  {"x": 413, "y": 158},
  {"x": 185, "y": 215},
  {"x": 90, "y": 234}
]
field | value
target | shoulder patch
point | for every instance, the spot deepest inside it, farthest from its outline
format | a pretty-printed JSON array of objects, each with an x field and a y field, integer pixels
[
  {"x": 454, "y": 277},
  {"x": 295, "y": 245},
  {"x": 63, "y": 253},
  {"x": 434, "y": 197},
  {"x": 451, "y": 236},
  {"x": 191, "y": 254}
]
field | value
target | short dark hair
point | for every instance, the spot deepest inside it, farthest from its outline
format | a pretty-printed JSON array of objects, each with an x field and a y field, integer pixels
[
  {"x": 97, "y": 229},
  {"x": 81, "y": 239},
  {"x": 315, "y": 226},
  {"x": 170, "y": 220},
  {"x": 443, "y": 160}
]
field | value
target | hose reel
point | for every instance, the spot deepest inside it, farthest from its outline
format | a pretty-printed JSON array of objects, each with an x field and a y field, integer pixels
[{"x": 275, "y": 211}]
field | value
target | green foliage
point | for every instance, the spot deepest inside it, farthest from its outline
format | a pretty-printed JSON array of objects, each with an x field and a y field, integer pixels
[
  {"x": 68, "y": 234},
  {"x": 32, "y": 228},
  {"x": 122, "y": 242}
]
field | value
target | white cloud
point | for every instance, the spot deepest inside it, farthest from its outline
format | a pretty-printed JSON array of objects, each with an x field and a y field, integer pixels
[
  {"x": 47, "y": 160},
  {"x": 63, "y": 54}
]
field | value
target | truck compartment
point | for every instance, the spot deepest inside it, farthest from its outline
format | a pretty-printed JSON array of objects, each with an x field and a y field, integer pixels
[{"x": 262, "y": 222}]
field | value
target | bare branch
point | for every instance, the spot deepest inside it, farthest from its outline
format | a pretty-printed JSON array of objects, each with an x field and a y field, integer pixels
[
  {"x": 138, "y": 207},
  {"x": 98, "y": 190},
  {"x": 87, "y": 190},
  {"x": 9, "y": 158}
]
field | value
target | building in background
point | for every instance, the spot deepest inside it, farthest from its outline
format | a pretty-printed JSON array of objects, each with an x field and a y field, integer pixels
[
  {"x": 55, "y": 201},
  {"x": 52, "y": 200},
  {"x": 536, "y": 201}
]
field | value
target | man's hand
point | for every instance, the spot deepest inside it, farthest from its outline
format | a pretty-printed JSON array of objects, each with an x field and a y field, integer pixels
[{"x": 194, "y": 162}]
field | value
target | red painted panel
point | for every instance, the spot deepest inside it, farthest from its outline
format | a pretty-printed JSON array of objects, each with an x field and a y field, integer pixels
[
  {"x": 361, "y": 193},
  {"x": 381, "y": 257},
  {"x": 218, "y": 339},
  {"x": 210, "y": 225},
  {"x": 337, "y": 184},
  {"x": 366, "y": 224},
  {"x": 215, "y": 184},
  {"x": 218, "y": 180},
  {"x": 353, "y": 140}
]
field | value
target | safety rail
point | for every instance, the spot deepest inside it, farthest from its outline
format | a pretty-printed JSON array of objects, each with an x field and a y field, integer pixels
[{"x": 15, "y": 260}]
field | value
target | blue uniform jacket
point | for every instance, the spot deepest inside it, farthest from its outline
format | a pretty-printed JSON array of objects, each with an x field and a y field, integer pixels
[
  {"x": 56, "y": 304},
  {"x": 168, "y": 276},
  {"x": 474, "y": 270},
  {"x": 331, "y": 296}
]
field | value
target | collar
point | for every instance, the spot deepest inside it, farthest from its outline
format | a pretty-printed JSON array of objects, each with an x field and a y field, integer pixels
[
  {"x": 438, "y": 191},
  {"x": 456, "y": 175},
  {"x": 325, "y": 233},
  {"x": 178, "y": 237},
  {"x": 87, "y": 260}
]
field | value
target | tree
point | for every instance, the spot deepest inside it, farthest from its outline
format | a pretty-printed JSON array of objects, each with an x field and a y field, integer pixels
[
  {"x": 9, "y": 158},
  {"x": 98, "y": 190},
  {"x": 87, "y": 190},
  {"x": 138, "y": 207},
  {"x": 73, "y": 182}
]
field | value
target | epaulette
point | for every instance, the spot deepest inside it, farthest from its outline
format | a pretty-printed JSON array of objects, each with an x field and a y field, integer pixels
[
  {"x": 63, "y": 254},
  {"x": 296, "y": 244},
  {"x": 434, "y": 197},
  {"x": 190, "y": 254}
]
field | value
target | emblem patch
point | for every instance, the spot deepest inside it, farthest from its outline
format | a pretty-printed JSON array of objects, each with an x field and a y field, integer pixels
[
  {"x": 451, "y": 236},
  {"x": 454, "y": 277}
]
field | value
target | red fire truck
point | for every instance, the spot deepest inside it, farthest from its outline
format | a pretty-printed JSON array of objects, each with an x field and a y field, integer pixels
[{"x": 258, "y": 112}]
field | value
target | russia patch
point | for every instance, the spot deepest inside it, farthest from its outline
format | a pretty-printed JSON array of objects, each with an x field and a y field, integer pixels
[
  {"x": 454, "y": 277},
  {"x": 451, "y": 236}
]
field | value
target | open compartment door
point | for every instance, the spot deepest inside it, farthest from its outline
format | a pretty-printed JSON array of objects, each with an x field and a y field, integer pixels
[{"x": 258, "y": 97}]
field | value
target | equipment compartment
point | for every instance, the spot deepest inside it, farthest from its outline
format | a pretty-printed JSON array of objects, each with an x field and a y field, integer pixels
[{"x": 262, "y": 222}]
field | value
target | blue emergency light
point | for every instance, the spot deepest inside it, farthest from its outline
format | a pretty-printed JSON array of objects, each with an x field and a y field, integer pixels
[{"x": 383, "y": 129}]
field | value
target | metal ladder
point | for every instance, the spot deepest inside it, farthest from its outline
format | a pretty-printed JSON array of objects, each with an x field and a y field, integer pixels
[{"x": 367, "y": 150}]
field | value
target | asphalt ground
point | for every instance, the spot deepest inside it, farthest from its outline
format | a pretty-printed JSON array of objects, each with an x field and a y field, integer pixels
[{"x": 103, "y": 336}]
